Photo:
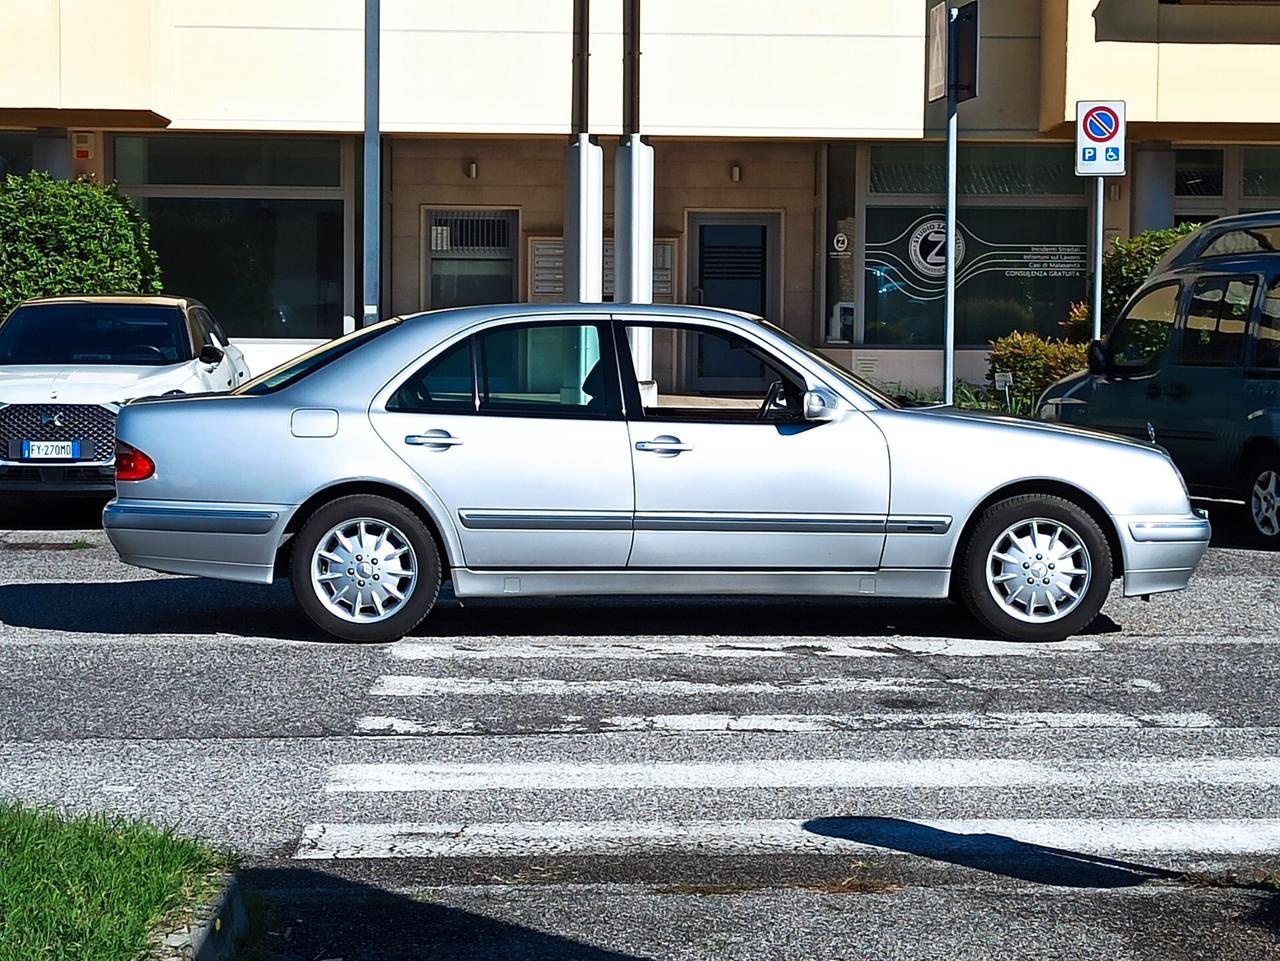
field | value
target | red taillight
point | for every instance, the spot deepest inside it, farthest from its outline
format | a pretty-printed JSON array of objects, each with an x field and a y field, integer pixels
[{"x": 132, "y": 464}]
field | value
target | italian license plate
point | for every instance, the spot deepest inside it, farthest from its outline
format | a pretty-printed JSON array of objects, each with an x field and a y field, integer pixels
[{"x": 50, "y": 450}]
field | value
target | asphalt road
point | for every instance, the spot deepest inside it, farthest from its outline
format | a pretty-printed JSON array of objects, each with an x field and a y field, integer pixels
[{"x": 771, "y": 778}]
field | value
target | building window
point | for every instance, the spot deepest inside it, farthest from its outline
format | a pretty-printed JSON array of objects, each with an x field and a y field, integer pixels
[
  {"x": 255, "y": 227},
  {"x": 1022, "y": 244},
  {"x": 470, "y": 257},
  {"x": 229, "y": 161},
  {"x": 16, "y": 150},
  {"x": 1197, "y": 173},
  {"x": 1221, "y": 181}
]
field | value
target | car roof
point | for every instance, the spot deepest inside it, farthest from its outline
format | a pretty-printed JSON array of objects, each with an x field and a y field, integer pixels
[
  {"x": 1189, "y": 251},
  {"x": 450, "y": 319},
  {"x": 155, "y": 300}
]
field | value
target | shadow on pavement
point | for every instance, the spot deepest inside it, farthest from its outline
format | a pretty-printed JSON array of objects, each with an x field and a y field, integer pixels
[
  {"x": 993, "y": 853},
  {"x": 307, "y": 914},
  {"x": 22, "y": 512},
  {"x": 176, "y": 605}
]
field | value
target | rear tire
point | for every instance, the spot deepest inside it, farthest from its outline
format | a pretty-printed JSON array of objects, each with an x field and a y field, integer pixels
[
  {"x": 365, "y": 569},
  {"x": 1035, "y": 568},
  {"x": 1262, "y": 501}
]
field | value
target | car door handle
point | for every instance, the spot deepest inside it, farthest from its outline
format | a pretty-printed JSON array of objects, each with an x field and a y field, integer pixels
[
  {"x": 433, "y": 438},
  {"x": 663, "y": 445}
]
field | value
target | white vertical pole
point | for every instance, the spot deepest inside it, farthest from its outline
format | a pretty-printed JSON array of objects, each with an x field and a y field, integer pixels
[
  {"x": 372, "y": 167},
  {"x": 953, "y": 129},
  {"x": 1098, "y": 234}
]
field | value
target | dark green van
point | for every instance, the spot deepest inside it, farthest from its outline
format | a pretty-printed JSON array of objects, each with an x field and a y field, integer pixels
[{"x": 1193, "y": 364}]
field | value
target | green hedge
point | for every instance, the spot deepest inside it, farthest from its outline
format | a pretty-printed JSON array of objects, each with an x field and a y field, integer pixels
[
  {"x": 1035, "y": 364},
  {"x": 1125, "y": 265},
  {"x": 71, "y": 237}
]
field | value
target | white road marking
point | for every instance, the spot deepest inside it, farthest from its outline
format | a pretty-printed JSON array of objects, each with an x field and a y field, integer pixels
[
  {"x": 790, "y": 723},
  {"x": 795, "y": 647},
  {"x": 414, "y": 685},
  {"x": 829, "y": 836},
  {"x": 815, "y": 774}
]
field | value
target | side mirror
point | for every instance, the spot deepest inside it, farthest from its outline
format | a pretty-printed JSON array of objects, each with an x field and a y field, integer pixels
[
  {"x": 211, "y": 355},
  {"x": 1097, "y": 357},
  {"x": 820, "y": 406}
]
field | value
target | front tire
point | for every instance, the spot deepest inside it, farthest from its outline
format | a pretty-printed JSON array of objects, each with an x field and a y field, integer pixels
[
  {"x": 365, "y": 568},
  {"x": 1262, "y": 496},
  {"x": 1035, "y": 568}
]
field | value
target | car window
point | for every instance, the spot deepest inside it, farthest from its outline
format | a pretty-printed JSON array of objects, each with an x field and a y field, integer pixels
[
  {"x": 206, "y": 326},
  {"x": 1217, "y": 319},
  {"x": 1251, "y": 240},
  {"x": 1140, "y": 338},
  {"x": 292, "y": 371},
  {"x": 550, "y": 369},
  {"x": 444, "y": 385},
  {"x": 142, "y": 335},
  {"x": 716, "y": 376},
  {"x": 1266, "y": 351}
]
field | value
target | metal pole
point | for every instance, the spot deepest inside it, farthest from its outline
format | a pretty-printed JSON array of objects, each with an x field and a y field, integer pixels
[
  {"x": 584, "y": 180},
  {"x": 953, "y": 129},
  {"x": 372, "y": 167},
  {"x": 1097, "y": 258}
]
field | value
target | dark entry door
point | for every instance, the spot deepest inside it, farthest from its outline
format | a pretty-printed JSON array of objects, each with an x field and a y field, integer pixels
[{"x": 734, "y": 262}]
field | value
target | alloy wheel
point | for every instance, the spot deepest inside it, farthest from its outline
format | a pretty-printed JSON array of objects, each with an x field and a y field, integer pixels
[
  {"x": 1038, "y": 570},
  {"x": 1264, "y": 502},
  {"x": 364, "y": 570}
]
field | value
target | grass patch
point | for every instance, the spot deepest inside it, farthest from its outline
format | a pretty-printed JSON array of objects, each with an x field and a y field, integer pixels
[
  {"x": 94, "y": 886},
  {"x": 1268, "y": 882}
]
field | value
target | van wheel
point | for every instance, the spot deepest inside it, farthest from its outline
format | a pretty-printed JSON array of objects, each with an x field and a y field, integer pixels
[
  {"x": 1263, "y": 498},
  {"x": 1035, "y": 568},
  {"x": 365, "y": 568}
]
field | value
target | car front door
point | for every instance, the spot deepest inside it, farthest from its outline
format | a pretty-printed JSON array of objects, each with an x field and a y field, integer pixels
[
  {"x": 215, "y": 377},
  {"x": 1128, "y": 397},
  {"x": 518, "y": 430},
  {"x": 739, "y": 479}
]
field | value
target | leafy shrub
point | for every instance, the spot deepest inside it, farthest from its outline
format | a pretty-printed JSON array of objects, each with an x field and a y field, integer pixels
[
  {"x": 1125, "y": 265},
  {"x": 1035, "y": 364},
  {"x": 71, "y": 237}
]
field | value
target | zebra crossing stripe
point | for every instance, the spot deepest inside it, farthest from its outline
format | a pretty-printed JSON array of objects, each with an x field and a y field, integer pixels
[
  {"x": 811, "y": 774},
  {"x": 771, "y": 837}
]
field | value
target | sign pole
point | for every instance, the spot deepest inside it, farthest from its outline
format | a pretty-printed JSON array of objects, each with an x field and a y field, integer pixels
[
  {"x": 1097, "y": 258},
  {"x": 953, "y": 129}
]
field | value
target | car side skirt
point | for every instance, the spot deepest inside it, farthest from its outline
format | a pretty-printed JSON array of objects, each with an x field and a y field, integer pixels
[{"x": 921, "y": 583}]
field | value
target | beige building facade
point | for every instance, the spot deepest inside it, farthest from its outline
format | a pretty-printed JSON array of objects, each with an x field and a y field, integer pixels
[{"x": 798, "y": 169}]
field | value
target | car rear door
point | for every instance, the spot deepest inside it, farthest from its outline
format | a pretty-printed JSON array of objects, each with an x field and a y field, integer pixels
[
  {"x": 518, "y": 430},
  {"x": 724, "y": 481}
]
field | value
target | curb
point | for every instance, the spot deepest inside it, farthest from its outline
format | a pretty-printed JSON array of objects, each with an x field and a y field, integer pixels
[{"x": 213, "y": 938}]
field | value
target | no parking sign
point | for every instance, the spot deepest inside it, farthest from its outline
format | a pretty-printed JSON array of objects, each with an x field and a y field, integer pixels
[{"x": 1100, "y": 138}]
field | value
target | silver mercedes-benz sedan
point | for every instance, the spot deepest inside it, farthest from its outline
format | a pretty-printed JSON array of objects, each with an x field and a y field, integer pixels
[{"x": 514, "y": 451}]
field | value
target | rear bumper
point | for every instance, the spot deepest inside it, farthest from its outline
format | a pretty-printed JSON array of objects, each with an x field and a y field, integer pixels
[
  {"x": 1161, "y": 553},
  {"x": 235, "y": 542}
]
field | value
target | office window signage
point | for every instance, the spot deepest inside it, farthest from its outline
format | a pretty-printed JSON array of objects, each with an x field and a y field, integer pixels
[
  {"x": 1022, "y": 243},
  {"x": 1017, "y": 269}
]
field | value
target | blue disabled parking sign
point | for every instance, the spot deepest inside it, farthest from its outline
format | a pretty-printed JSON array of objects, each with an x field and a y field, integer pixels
[{"x": 1100, "y": 138}]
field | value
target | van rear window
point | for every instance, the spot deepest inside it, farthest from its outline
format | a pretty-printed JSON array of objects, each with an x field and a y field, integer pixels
[{"x": 295, "y": 370}]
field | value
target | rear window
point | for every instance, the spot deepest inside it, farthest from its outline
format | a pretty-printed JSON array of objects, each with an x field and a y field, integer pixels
[{"x": 300, "y": 367}]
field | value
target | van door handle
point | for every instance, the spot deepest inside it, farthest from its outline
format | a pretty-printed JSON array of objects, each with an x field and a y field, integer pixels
[{"x": 433, "y": 438}]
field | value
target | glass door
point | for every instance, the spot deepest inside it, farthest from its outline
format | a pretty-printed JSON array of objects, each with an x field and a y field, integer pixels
[{"x": 734, "y": 262}]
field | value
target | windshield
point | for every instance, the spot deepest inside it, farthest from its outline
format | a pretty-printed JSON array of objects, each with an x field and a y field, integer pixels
[
  {"x": 142, "y": 335},
  {"x": 295, "y": 370},
  {"x": 847, "y": 377}
]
